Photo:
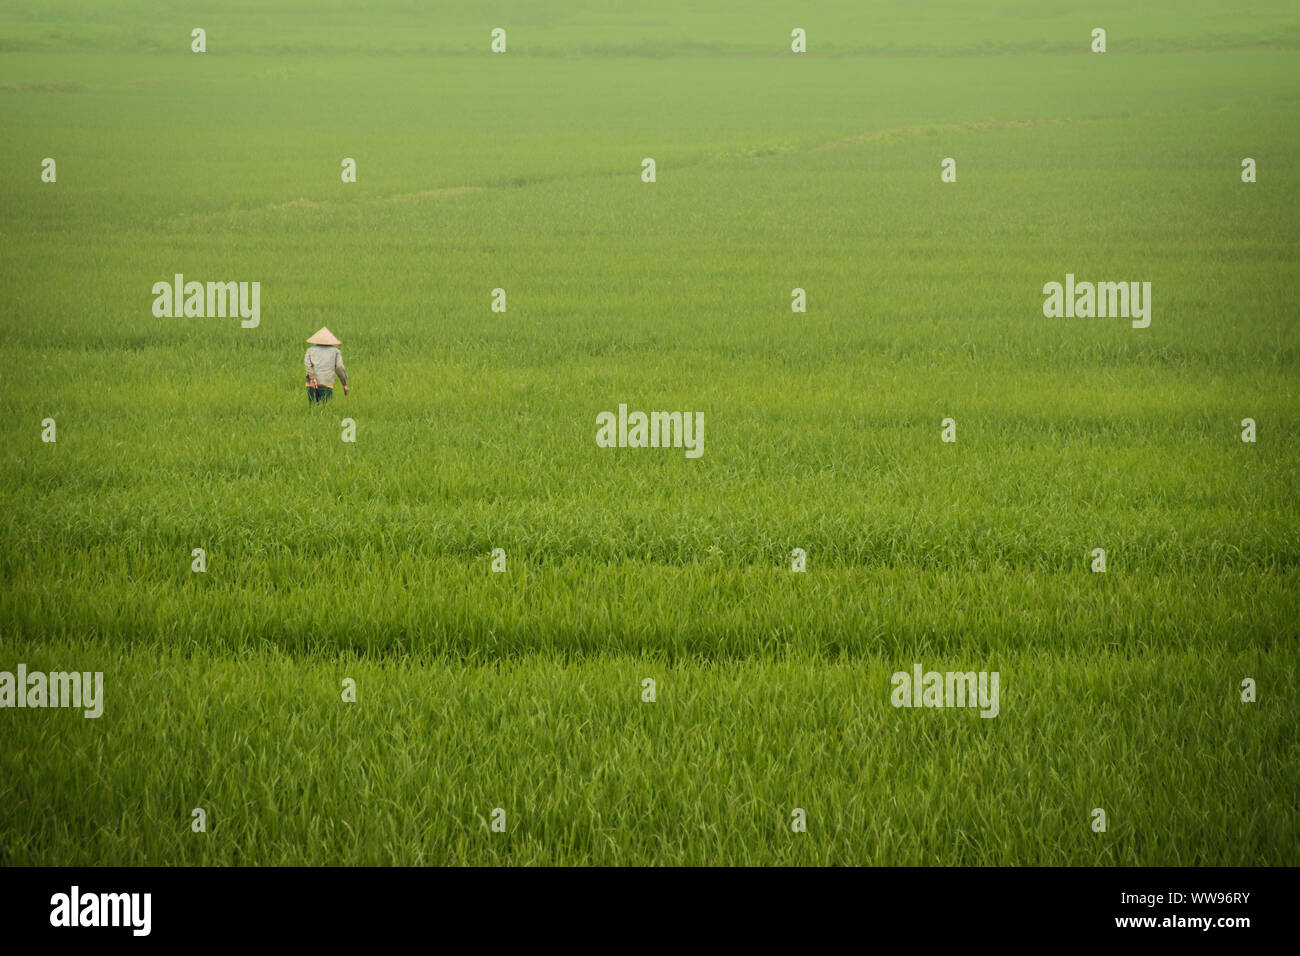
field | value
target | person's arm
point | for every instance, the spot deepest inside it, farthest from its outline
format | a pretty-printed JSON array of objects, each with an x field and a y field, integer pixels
[
  {"x": 311, "y": 371},
  {"x": 340, "y": 371}
]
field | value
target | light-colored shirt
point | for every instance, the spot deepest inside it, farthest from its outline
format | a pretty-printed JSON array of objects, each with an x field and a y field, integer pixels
[{"x": 323, "y": 362}]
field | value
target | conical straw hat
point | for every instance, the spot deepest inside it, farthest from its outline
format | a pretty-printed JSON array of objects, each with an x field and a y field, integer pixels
[{"x": 324, "y": 337}]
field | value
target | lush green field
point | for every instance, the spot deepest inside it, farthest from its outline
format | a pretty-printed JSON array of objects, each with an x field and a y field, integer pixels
[{"x": 476, "y": 430}]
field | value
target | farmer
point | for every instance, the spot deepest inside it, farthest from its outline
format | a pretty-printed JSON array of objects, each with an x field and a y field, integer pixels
[{"x": 323, "y": 361}]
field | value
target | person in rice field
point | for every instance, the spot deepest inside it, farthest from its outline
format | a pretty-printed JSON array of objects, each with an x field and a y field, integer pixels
[{"x": 324, "y": 363}]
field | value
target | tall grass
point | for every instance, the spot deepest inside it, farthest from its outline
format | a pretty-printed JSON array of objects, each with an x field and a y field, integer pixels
[{"x": 476, "y": 431}]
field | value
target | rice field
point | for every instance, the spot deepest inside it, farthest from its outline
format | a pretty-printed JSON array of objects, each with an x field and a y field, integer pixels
[{"x": 494, "y": 587}]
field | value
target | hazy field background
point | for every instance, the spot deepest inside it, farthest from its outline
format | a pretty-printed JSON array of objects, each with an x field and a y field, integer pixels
[{"x": 476, "y": 430}]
